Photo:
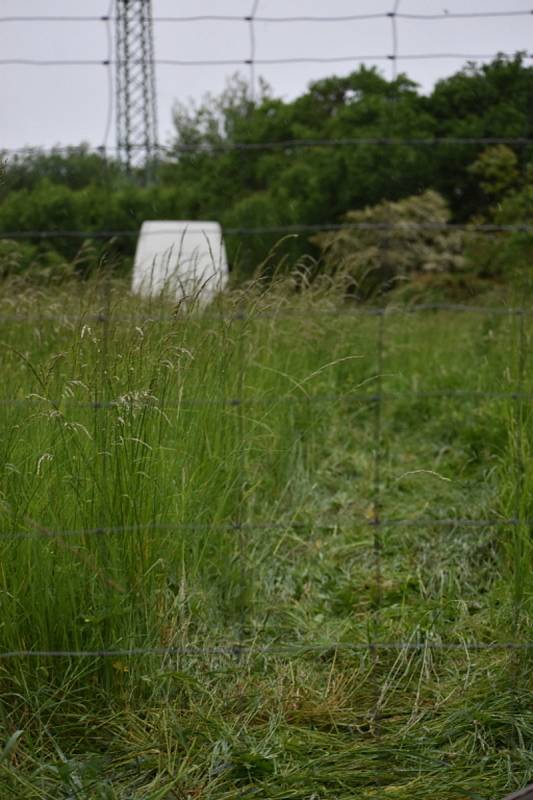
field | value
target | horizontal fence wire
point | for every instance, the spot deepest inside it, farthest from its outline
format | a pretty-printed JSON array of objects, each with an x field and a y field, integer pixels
[
  {"x": 274, "y": 650},
  {"x": 426, "y": 522},
  {"x": 280, "y": 230},
  {"x": 282, "y": 313},
  {"x": 281, "y": 144},
  {"x": 235, "y": 62},
  {"x": 447, "y": 15},
  {"x": 127, "y": 402}
]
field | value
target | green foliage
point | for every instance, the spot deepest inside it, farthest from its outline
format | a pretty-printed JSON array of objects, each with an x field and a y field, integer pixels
[
  {"x": 508, "y": 184},
  {"x": 202, "y": 177},
  {"x": 375, "y": 260},
  {"x": 15, "y": 257},
  {"x": 497, "y": 170},
  {"x": 489, "y": 100},
  {"x": 23, "y": 260},
  {"x": 75, "y": 167}
]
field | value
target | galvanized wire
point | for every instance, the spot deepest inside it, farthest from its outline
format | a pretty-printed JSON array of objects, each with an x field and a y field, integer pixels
[
  {"x": 279, "y": 230},
  {"x": 235, "y": 62},
  {"x": 283, "y": 313},
  {"x": 280, "y": 650},
  {"x": 43, "y": 532},
  {"x": 271, "y": 401},
  {"x": 288, "y": 144},
  {"x": 278, "y": 19}
]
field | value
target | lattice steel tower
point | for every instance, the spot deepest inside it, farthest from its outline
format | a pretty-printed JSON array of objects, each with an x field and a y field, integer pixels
[{"x": 135, "y": 84}]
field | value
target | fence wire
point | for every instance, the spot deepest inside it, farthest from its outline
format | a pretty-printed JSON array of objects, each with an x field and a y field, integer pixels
[
  {"x": 38, "y": 532},
  {"x": 237, "y": 62},
  {"x": 442, "y": 16},
  {"x": 284, "y": 313},
  {"x": 278, "y": 230},
  {"x": 267, "y": 402},
  {"x": 288, "y": 650},
  {"x": 282, "y": 144}
]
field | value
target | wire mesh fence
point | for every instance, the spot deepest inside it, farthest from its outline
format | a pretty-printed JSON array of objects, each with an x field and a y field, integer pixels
[{"x": 436, "y": 540}]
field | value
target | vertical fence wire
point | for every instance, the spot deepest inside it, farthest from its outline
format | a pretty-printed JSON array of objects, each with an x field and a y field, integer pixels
[
  {"x": 103, "y": 391},
  {"x": 519, "y": 463},
  {"x": 109, "y": 73},
  {"x": 520, "y": 533},
  {"x": 395, "y": 38},
  {"x": 251, "y": 61},
  {"x": 241, "y": 478},
  {"x": 375, "y": 516},
  {"x": 377, "y": 539},
  {"x": 106, "y": 282},
  {"x": 101, "y": 425}
]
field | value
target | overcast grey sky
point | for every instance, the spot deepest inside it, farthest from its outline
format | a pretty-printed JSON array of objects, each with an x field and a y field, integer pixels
[{"x": 69, "y": 104}]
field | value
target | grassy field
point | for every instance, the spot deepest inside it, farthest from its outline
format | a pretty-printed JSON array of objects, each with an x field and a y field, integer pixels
[{"x": 228, "y": 487}]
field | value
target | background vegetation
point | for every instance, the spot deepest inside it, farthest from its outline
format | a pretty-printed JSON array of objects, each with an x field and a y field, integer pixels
[{"x": 476, "y": 183}]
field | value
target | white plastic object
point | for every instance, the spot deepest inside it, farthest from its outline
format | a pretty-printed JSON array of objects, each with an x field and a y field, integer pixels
[{"x": 182, "y": 259}]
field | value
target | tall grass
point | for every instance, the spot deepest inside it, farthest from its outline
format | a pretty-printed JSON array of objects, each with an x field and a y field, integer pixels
[{"x": 214, "y": 477}]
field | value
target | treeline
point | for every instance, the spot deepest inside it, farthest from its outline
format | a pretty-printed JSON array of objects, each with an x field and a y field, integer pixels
[{"x": 272, "y": 183}]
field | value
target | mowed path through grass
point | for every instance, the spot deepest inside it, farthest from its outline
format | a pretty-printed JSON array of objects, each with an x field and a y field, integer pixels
[{"x": 282, "y": 498}]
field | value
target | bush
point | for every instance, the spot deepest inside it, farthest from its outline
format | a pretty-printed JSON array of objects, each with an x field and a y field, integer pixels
[
  {"x": 375, "y": 257},
  {"x": 24, "y": 260},
  {"x": 504, "y": 255}
]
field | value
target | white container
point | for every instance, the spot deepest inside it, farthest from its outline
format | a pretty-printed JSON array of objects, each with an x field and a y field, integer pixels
[{"x": 181, "y": 259}]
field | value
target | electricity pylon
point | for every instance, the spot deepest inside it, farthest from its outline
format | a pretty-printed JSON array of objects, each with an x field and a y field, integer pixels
[{"x": 135, "y": 85}]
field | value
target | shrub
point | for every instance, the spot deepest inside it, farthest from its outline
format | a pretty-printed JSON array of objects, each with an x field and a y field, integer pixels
[
  {"x": 376, "y": 257},
  {"x": 508, "y": 184},
  {"x": 24, "y": 260}
]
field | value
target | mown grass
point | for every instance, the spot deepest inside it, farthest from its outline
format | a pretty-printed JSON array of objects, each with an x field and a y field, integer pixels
[{"x": 240, "y": 462}]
